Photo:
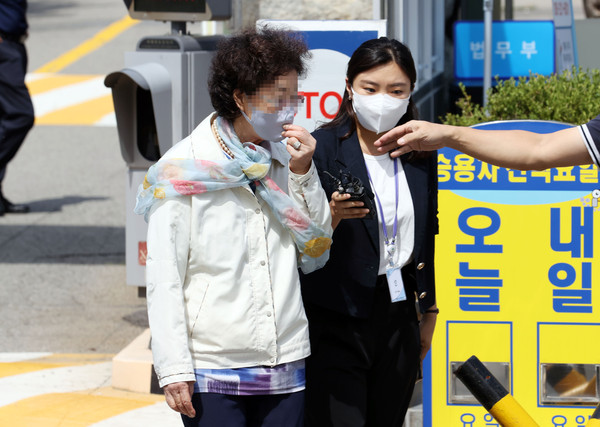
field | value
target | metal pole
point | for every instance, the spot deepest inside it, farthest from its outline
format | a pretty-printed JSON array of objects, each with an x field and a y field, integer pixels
[
  {"x": 508, "y": 11},
  {"x": 488, "y": 9},
  {"x": 237, "y": 15},
  {"x": 378, "y": 8}
]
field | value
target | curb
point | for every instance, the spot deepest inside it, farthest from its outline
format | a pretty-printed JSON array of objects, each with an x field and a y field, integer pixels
[{"x": 133, "y": 369}]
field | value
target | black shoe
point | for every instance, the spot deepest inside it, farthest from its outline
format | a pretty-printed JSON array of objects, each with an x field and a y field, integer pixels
[{"x": 12, "y": 208}]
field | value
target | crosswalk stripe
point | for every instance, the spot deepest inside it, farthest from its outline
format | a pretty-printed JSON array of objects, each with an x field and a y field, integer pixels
[
  {"x": 158, "y": 414},
  {"x": 67, "y": 96},
  {"x": 20, "y": 357},
  {"x": 18, "y": 364},
  {"x": 73, "y": 390},
  {"x": 70, "y": 100},
  {"x": 55, "y": 380},
  {"x": 44, "y": 82},
  {"x": 85, "y": 113},
  {"x": 72, "y": 409}
]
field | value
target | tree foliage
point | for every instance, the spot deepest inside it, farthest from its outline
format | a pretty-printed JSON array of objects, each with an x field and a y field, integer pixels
[{"x": 571, "y": 97}]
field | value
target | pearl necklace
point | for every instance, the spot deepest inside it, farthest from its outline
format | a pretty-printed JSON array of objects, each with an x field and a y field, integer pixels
[{"x": 224, "y": 146}]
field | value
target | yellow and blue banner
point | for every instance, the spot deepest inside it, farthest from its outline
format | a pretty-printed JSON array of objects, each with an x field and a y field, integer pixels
[{"x": 515, "y": 273}]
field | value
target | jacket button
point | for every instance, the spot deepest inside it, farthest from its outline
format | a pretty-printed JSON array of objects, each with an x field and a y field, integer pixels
[
  {"x": 423, "y": 295},
  {"x": 420, "y": 266},
  {"x": 268, "y": 314},
  {"x": 257, "y": 211}
]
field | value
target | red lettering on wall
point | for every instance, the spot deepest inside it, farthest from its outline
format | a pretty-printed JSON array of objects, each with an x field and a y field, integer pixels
[
  {"x": 308, "y": 99},
  {"x": 322, "y": 104}
]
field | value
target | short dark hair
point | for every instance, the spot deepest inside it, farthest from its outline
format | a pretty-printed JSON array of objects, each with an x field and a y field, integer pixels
[
  {"x": 371, "y": 54},
  {"x": 249, "y": 59}
]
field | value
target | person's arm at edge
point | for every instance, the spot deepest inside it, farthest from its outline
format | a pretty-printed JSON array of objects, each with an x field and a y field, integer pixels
[
  {"x": 165, "y": 269},
  {"x": 427, "y": 328},
  {"x": 513, "y": 149}
]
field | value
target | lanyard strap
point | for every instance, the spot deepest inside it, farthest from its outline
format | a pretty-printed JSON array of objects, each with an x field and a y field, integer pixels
[{"x": 383, "y": 224}]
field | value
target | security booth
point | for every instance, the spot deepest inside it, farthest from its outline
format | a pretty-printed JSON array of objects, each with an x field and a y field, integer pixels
[
  {"x": 159, "y": 97},
  {"x": 515, "y": 275}
]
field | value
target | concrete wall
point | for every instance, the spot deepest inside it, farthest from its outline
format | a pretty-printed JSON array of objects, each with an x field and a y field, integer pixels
[
  {"x": 252, "y": 10},
  {"x": 588, "y": 33}
]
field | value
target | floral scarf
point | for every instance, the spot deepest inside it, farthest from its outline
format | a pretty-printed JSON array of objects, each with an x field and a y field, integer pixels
[{"x": 185, "y": 177}]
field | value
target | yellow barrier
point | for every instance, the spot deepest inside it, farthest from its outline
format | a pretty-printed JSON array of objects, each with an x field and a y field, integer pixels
[
  {"x": 492, "y": 395},
  {"x": 595, "y": 420}
]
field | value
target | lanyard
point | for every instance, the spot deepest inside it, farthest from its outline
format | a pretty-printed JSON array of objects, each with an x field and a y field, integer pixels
[{"x": 389, "y": 244}]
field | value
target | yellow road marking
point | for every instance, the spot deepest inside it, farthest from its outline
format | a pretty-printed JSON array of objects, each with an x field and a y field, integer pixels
[
  {"x": 49, "y": 362},
  {"x": 54, "y": 81},
  {"x": 71, "y": 409},
  {"x": 94, "y": 110},
  {"x": 87, "y": 46}
]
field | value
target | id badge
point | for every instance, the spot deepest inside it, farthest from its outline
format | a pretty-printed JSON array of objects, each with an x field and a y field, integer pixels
[{"x": 395, "y": 283}]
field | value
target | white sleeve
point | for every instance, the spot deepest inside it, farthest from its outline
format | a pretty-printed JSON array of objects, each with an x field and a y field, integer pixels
[
  {"x": 590, "y": 132},
  {"x": 307, "y": 192},
  {"x": 168, "y": 246}
]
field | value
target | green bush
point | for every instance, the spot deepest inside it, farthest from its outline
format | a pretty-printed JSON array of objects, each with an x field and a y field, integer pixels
[{"x": 571, "y": 97}]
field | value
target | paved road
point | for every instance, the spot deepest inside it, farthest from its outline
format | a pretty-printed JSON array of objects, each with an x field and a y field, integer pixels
[
  {"x": 62, "y": 270},
  {"x": 64, "y": 307}
]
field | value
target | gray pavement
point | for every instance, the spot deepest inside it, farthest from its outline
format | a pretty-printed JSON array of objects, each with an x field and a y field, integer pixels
[{"x": 62, "y": 266}]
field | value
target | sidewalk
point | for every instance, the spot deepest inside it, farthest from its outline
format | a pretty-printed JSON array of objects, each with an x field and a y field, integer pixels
[{"x": 73, "y": 390}]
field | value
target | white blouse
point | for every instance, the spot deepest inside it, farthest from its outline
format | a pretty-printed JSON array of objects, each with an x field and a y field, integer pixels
[{"x": 381, "y": 171}]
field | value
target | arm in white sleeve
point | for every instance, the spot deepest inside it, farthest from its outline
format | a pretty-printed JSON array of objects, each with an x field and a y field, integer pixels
[
  {"x": 307, "y": 192},
  {"x": 168, "y": 246}
]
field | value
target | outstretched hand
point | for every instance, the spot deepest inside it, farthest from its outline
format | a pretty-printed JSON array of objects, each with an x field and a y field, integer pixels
[{"x": 415, "y": 135}]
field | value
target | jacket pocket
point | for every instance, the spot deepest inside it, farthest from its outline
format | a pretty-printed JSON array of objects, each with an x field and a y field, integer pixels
[{"x": 194, "y": 299}]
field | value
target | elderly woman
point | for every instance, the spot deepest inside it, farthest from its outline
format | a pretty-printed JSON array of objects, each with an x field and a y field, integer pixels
[{"x": 232, "y": 213}]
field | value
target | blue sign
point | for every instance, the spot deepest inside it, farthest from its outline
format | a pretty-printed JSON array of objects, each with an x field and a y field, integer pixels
[
  {"x": 345, "y": 42},
  {"x": 518, "y": 48}
]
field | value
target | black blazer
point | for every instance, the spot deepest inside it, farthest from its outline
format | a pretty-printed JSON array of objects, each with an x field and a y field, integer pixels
[{"x": 346, "y": 283}]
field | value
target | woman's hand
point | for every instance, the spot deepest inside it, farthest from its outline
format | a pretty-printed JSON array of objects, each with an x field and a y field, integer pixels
[
  {"x": 426, "y": 327},
  {"x": 301, "y": 146},
  {"x": 342, "y": 208},
  {"x": 179, "y": 397}
]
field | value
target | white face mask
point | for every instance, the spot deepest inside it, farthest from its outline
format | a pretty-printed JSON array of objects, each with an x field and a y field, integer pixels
[
  {"x": 270, "y": 125},
  {"x": 378, "y": 113}
]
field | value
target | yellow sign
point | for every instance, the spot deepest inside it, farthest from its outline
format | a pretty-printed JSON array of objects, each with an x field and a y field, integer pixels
[{"x": 515, "y": 288}]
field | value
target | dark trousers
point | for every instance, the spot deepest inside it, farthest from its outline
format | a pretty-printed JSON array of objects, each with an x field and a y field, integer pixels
[
  {"x": 16, "y": 108},
  {"x": 275, "y": 410},
  {"x": 362, "y": 372}
]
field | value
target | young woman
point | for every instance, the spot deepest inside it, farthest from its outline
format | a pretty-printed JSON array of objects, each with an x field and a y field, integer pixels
[
  {"x": 366, "y": 337},
  {"x": 232, "y": 214}
]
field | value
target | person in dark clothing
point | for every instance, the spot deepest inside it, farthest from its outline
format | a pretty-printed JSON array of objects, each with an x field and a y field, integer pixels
[
  {"x": 16, "y": 108},
  {"x": 367, "y": 339}
]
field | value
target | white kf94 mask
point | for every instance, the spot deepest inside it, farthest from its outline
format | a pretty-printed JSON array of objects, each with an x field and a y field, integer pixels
[{"x": 378, "y": 113}]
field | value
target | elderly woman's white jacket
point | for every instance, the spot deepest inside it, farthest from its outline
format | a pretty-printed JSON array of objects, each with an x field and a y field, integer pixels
[{"x": 221, "y": 273}]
